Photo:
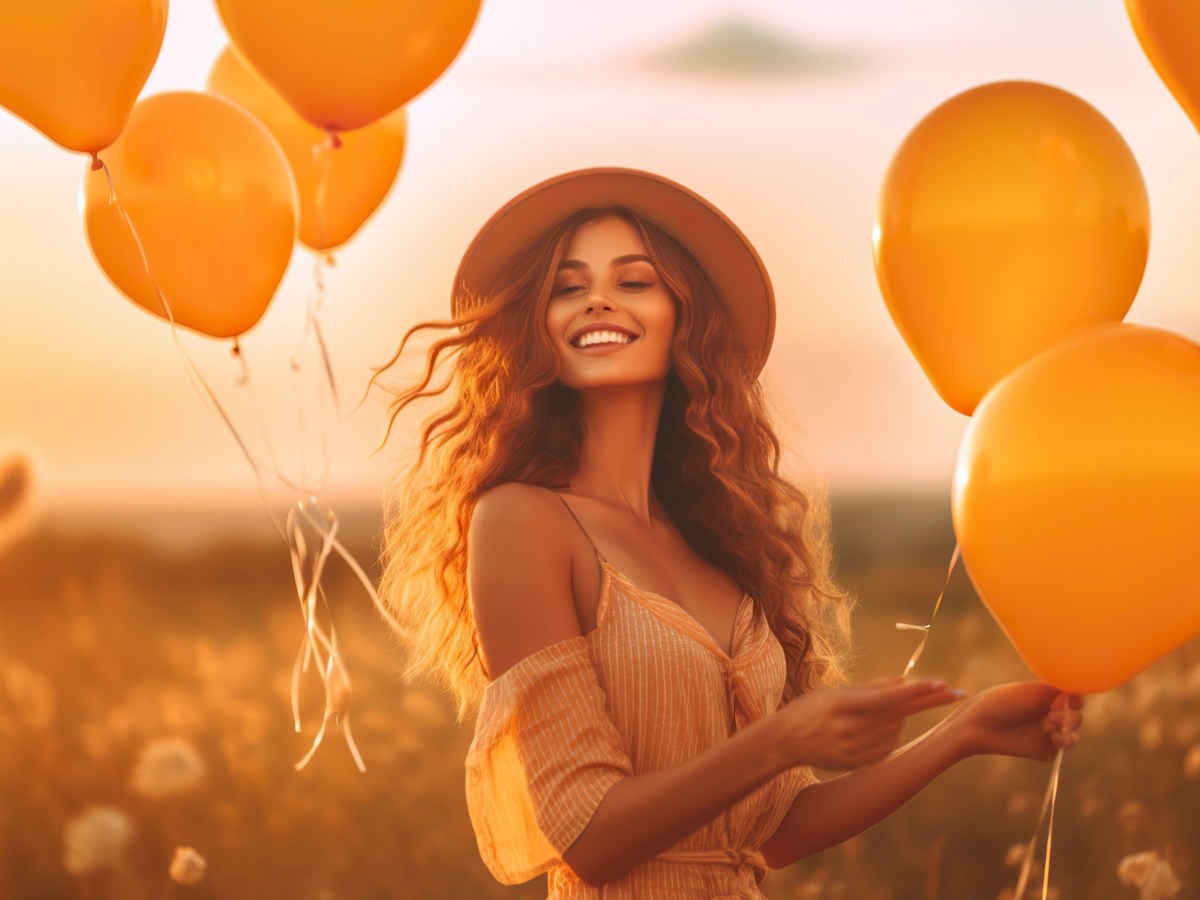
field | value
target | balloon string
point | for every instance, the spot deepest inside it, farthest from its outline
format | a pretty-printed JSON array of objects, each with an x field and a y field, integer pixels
[
  {"x": 313, "y": 310},
  {"x": 315, "y": 638},
  {"x": 904, "y": 626},
  {"x": 323, "y": 150},
  {"x": 312, "y": 325},
  {"x": 1048, "y": 803}
]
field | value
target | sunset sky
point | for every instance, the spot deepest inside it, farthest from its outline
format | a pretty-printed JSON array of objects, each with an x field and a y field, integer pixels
[{"x": 95, "y": 391}]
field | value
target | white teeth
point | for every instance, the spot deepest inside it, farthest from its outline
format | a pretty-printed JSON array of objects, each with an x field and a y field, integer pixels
[{"x": 600, "y": 337}]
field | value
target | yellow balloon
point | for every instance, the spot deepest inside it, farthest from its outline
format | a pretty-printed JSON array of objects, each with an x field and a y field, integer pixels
[
  {"x": 210, "y": 196},
  {"x": 73, "y": 68},
  {"x": 1168, "y": 31},
  {"x": 1011, "y": 214},
  {"x": 342, "y": 66},
  {"x": 338, "y": 188},
  {"x": 1075, "y": 499}
]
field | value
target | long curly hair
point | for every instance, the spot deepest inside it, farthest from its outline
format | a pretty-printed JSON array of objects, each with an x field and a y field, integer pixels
[{"x": 716, "y": 466}]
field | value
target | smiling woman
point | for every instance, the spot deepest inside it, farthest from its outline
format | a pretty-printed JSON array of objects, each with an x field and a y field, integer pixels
[{"x": 595, "y": 548}]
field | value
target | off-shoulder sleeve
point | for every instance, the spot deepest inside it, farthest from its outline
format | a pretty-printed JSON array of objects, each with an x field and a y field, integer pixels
[{"x": 544, "y": 754}]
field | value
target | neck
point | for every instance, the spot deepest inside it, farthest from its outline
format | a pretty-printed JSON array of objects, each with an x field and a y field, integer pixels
[{"x": 619, "y": 427}]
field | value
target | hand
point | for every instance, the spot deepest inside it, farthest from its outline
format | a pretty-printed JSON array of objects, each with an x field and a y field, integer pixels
[
  {"x": 1024, "y": 719},
  {"x": 847, "y": 727}
]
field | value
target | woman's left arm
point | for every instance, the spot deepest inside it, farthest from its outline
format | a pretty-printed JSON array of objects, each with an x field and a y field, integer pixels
[{"x": 1023, "y": 719}]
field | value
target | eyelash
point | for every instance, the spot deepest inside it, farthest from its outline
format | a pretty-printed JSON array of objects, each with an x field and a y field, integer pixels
[{"x": 573, "y": 287}]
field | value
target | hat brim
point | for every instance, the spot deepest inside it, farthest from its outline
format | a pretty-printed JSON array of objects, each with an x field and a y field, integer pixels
[{"x": 718, "y": 245}]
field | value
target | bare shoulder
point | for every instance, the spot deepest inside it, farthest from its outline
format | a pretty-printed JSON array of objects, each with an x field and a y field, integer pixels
[{"x": 519, "y": 574}]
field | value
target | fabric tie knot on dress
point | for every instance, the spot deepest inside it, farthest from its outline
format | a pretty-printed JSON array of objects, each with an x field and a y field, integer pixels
[{"x": 738, "y": 857}]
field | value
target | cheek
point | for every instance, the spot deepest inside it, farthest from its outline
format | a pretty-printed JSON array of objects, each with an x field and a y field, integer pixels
[{"x": 556, "y": 323}]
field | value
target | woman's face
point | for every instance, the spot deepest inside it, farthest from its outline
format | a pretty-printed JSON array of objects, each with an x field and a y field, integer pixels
[{"x": 606, "y": 277}]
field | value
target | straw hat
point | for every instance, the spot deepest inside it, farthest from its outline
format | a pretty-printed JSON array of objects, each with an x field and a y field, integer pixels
[{"x": 719, "y": 246}]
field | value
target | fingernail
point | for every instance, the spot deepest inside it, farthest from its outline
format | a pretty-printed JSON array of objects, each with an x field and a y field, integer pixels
[
  {"x": 938, "y": 685},
  {"x": 959, "y": 694}
]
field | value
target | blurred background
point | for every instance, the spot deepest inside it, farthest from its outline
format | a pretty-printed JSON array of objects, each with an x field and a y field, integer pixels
[{"x": 148, "y": 620}]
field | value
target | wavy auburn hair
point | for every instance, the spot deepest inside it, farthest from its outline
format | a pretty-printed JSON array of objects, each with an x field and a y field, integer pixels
[{"x": 715, "y": 468}]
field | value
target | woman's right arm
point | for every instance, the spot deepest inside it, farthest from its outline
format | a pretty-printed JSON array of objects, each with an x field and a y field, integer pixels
[
  {"x": 519, "y": 574},
  {"x": 831, "y": 728}
]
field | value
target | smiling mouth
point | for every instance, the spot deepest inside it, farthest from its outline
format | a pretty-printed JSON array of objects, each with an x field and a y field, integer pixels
[{"x": 602, "y": 349}]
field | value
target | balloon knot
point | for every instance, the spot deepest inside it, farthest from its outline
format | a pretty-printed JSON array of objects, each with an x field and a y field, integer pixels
[
  {"x": 96, "y": 164},
  {"x": 335, "y": 140},
  {"x": 237, "y": 348}
]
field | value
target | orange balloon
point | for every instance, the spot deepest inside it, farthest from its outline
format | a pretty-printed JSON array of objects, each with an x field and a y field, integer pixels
[
  {"x": 1011, "y": 214},
  {"x": 209, "y": 194},
  {"x": 73, "y": 68},
  {"x": 342, "y": 66},
  {"x": 1168, "y": 31},
  {"x": 1075, "y": 501},
  {"x": 339, "y": 189}
]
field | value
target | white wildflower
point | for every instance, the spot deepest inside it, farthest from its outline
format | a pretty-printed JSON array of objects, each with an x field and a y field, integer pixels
[
  {"x": 96, "y": 839},
  {"x": 187, "y": 866},
  {"x": 1135, "y": 869},
  {"x": 167, "y": 766}
]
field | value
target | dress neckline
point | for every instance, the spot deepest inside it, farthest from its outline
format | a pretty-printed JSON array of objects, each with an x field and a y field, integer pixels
[{"x": 701, "y": 633}]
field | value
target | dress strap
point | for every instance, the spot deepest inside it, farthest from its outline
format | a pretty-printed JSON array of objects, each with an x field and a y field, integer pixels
[{"x": 580, "y": 524}]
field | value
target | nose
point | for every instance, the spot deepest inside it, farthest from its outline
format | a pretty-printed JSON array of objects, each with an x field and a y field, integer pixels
[{"x": 599, "y": 297}]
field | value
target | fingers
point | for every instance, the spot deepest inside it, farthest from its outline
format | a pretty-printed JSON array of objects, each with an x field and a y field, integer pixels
[
  {"x": 929, "y": 701},
  {"x": 892, "y": 695},
  {"x": 1073, "y": 700}
]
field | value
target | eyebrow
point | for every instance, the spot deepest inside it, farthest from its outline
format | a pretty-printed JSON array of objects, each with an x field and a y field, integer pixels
[{"x": 619, "y": 261}]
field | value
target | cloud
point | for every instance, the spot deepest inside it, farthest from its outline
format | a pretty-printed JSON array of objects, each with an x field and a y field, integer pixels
[{"x": 741, "y": 49}]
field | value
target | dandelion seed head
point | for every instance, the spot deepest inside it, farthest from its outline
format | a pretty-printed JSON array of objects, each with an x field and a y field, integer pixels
[
  {"x": 96, "y": 839},
  {"x": 1135, "y": 868},
  {"x": 167, "y": 766}
]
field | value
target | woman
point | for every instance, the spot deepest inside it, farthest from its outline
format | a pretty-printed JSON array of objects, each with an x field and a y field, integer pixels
[{"x": 601, "y": 515}]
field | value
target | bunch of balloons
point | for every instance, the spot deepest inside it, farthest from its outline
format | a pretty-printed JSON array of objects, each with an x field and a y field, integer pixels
[
  {"x": 1010, "y": 240},
  {"x": 300, "y": 134},
  {"x": 195, "y": 209}
]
